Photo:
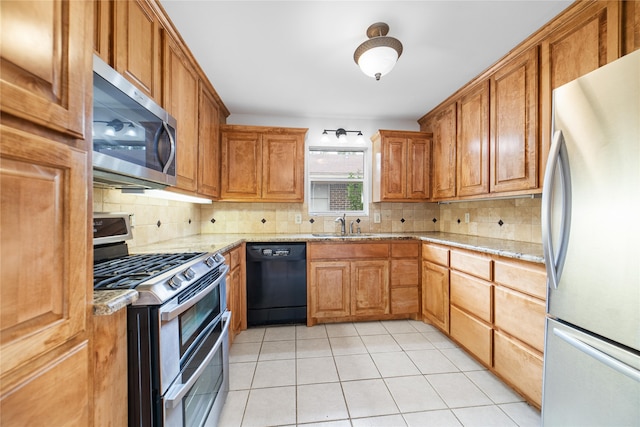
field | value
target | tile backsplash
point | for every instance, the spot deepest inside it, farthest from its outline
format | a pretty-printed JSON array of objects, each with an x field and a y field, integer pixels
[{"x": 520, "y": 218}]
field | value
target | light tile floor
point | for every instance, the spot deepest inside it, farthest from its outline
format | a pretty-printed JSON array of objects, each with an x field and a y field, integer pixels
[{"x": 389, "y": 373}]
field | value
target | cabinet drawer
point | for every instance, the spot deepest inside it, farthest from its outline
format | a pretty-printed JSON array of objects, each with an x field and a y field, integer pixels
[
  {"x": 405, "y": 272},
  {"x": 471, "y": 294},
  {"x": 436, "y": 254},
  {"x": 521, "y": 316},
  {"x": 405, "y": 300},
  {"x": 522, "y": 276},
  {"x": 475, "y": 264},
  {"x": 405, "y": 250},
  {"x": 474, "y": 335},
  {"x": 347, "y": 250},
  {"x": 519, "y": 366},
  {"x": 234, "y": 257}
]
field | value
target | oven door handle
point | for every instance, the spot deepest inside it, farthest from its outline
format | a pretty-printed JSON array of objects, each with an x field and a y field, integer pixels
[
  {"x": 174, "y": 312},
  {"x": 178, "y": 391}
]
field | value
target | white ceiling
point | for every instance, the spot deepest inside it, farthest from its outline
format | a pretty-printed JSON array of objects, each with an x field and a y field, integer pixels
[{"x": 295, "y": 58}]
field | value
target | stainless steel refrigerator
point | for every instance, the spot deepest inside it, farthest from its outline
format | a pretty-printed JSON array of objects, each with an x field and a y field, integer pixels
[{"x": 591, "y": 240}]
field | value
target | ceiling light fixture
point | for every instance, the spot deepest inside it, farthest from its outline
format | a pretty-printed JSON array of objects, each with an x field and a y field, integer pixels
[{"x": 378, "y": 55}]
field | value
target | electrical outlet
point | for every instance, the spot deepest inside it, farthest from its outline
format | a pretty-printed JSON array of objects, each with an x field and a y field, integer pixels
[
  {"x": 298, "y": 219},
  {"x": 466, "y": 217},
  {"x": 132, "y": 220},
  {"x": 376, "y": 217}
]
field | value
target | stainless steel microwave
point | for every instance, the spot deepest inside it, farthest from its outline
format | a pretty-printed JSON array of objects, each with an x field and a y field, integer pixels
[{"x": 134, "y": 139}]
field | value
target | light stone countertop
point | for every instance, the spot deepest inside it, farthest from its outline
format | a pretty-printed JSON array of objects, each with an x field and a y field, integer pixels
[{"x": 107, "y": 302}]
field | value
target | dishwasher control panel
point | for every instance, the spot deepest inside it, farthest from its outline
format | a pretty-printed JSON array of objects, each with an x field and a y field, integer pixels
[{"x": 275, "y": 252}]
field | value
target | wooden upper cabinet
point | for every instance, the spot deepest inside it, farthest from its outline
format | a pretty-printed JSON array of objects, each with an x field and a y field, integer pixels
[
  {"x": 514, "y": 124},
  {"x": 102, "y": 21},
  {"x": 43, "y": 73},
  {"x": 137, "y": 46},
  {"x": 402, "y": 166},
  {"x": 208, "y": 145},
  {"x": 283, "y": 166},
  {"x": 473, "y": 141},
  {"x": 579, "y": 45},
  {"x": 241, "y": 166},
  {"x": 443, "y": 163},
  {"x": 181, "y": 101},
  {"x": 262, "y": 163}
]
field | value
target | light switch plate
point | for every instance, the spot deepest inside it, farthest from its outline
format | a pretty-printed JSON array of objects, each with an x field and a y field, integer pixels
[{"x": 376, "y": 217}]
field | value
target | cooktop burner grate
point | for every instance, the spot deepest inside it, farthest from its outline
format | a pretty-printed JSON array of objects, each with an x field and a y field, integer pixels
[{"x": 130, "y": 271}]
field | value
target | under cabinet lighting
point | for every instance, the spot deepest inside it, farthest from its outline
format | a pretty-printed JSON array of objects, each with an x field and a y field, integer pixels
[{"x": 167, "y": 195}]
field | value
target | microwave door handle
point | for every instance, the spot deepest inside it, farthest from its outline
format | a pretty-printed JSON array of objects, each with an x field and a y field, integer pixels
[
  {"x": 554, "y": 262},
  {"x": 178, "y": 391},
  {"x": 172, "y": 147}
]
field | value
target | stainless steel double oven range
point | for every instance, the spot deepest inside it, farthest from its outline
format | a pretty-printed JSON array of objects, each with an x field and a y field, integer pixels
[{"x": 178, "y": 362}]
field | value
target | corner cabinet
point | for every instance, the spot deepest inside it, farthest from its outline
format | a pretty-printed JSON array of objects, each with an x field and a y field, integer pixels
[
  {"x": 401, "y": 166},
  {"x": 443, "y": 167},
  {"x": 45, "y": 176},
  {"x": 262, "y": 164}
]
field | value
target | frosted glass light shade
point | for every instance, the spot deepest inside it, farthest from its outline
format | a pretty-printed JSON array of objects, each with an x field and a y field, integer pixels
[
  {"x": 378, "y": 55},
  {"x": 378, "y": 61}
]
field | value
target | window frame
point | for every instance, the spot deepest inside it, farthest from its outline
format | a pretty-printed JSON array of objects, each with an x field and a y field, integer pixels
[{"x": 366, "y": 180}]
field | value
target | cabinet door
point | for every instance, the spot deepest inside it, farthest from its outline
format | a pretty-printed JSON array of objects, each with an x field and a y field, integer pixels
[
  {"x": 102, "y": 29},
  {"x": 208, "y": 145},
  {"x": 443, "y": 173},
  {"x": 283, "y": 167},
  {"x": 514, "y": 124},
  {"x": 57, "y": 395},
  {"x": 44, "y": 63},
  {"x": 583, "y": 44},
  {"x": 45, "y": 278},
  {"x": 137, "y": 46},
  {"x": 181, "y": 99},
  {"x": 330, "y": 290},
  {"x": 237, "y": 296},
  {"x": 369, "y": 288},
  {"x": 394, "y": 168},
  {"x": 473, "y": 141},
  {"x": 435, "y": 294},
  {"x": 241, "y": 171},
  {"x": 418, "y": 161}
]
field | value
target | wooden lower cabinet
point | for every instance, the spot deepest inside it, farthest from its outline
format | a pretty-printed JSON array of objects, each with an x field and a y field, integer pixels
[
  {"x": 435, "y": 285},
  {"x": 236, "y": 290},
  {"x": 56, "y": 394},
  {"x": 110, "y": 388},
  {"x": 472, "y": 333},
  {"x": 363, "y": 281},
  {"x": 519, "y": 366},
  {"x": 495, "y": 309},
  {"x": 405, "y": 278}
]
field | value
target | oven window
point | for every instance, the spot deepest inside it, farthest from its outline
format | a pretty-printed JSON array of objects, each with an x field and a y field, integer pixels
[
  {"x": 197, "y": 318},
  {"x": 197, "y": 403}
]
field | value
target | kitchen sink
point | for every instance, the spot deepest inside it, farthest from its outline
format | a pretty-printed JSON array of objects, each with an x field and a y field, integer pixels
[{"x": 342, "y": 236}]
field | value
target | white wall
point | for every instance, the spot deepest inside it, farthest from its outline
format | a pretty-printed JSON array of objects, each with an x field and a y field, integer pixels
[{"x": 317, "y": 125}]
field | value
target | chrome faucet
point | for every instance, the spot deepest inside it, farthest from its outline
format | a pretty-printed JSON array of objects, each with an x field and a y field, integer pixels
[{"x": 343, "y": 227}]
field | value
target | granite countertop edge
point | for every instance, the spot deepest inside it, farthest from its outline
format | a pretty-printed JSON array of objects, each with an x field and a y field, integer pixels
[{"x": 108, "y": 302}]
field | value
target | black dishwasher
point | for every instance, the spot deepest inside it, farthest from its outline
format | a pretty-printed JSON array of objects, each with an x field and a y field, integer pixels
[{"x": 276, "y": 283}]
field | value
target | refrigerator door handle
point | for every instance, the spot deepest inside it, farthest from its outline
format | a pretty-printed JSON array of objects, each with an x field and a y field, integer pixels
[
  {"x": 555, "y": 261},
  {"x": 612, "y": 362}
]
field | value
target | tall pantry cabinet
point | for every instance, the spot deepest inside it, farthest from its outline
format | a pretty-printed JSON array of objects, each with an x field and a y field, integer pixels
[{"x": 45, "y": 177}]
